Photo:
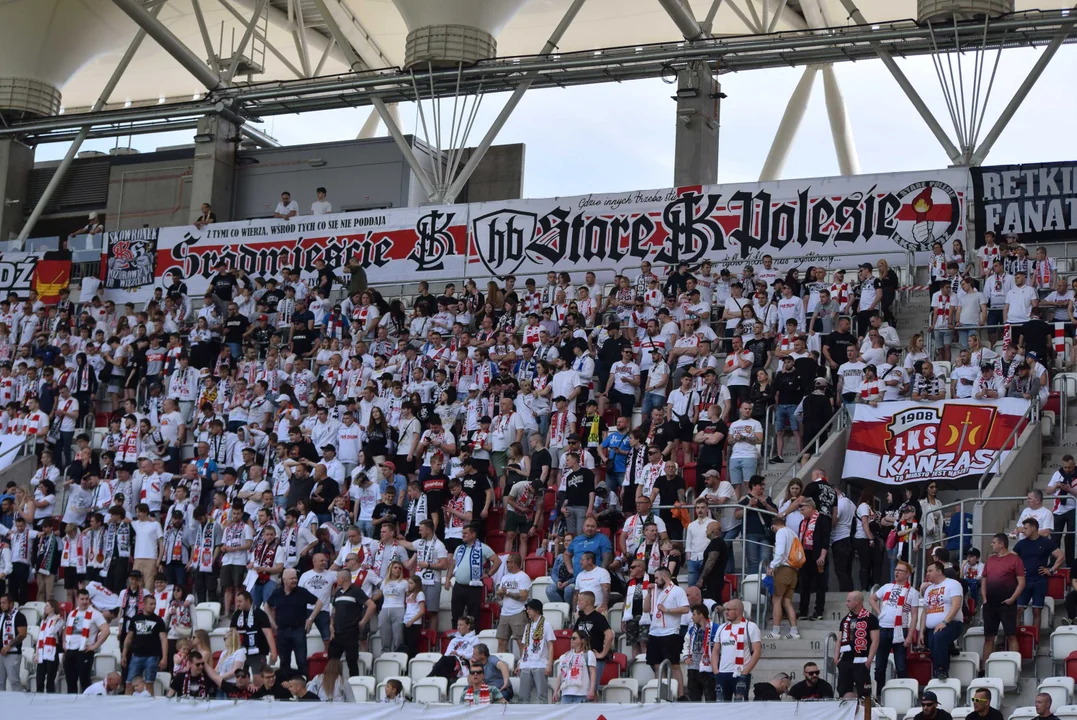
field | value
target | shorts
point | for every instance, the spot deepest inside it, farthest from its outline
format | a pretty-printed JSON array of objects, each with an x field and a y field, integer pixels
[
  {"x": 512, "y": 626},
  {"x": 232, "y": 576},
  {"x": 995, "y": 615},
  {"x": 517, "y": 523},
  {"x": 786, "y": 418},
  {"x": 72, "y": 578},
  {"x": 143, "y": 665},
  {"x": 1035, "y": 590},
  {"x": 685, "y": 431},
  {"x": 994, "y": 317},
  {"x": 943, "y": 338},
  {"x": 499, "y": 460},
  {"x": 556, "y": 453},
  {"x": 403, "y": 465},
  {"x": 664, "y": 647},
  {"x": 785, "y": 582},
  {"x": 853, "y": 677},
  {"x": 635, "y": 634}
]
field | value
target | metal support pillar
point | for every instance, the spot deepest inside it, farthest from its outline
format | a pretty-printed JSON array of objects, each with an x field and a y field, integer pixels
[
  {"x": 499, "y": 122},
  {"x": 72, "y": 151},
  {"x": 910, "y": 92},
  {"x": 787, "y": 128},
  {"x": 370, "y": 127},
  {"x": 248, "y": 32},
  {"x": 169, "y": 43},
  {"x": 695, "y": 156},
  {"x": 840, "y": 129},
  {"x": 682, "y": 16},
  {"x": 1022, "y": 92},
  {"x": 214, "y": 169}
]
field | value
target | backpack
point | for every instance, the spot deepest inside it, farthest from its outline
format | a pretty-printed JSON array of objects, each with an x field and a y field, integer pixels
[{"x": 796, "y": 558}]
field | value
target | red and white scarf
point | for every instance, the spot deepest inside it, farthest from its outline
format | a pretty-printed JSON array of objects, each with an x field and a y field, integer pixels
[
  {"x": 653, "y": 558},
  {"x": 738, "y": 633},
  {"x": 47, "y": 637},
  {"x": 74, "y": 553},
  {"x": 483, "y": 698},
  {"x": 84, "y": 631},
  {"x": 899, "y": 633}
]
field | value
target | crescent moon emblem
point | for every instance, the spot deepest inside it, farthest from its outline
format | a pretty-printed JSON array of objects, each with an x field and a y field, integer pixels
[{"x": 953, "y": 434}]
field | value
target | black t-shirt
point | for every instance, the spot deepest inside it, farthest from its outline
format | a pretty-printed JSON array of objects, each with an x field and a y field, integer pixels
[
  {"x": 429, "y": 303},
  {"x": 820, "y": 691},
  {"x": 302, "y": 339},
  {"x": 299, "y": 489},
  {"x": 667, "y": 489},
  {"x": 186, "y": 685},
  {"x": 272, "y": 297},
  {"x": 234, "y": 327},
  {"x": 838, "y": 344},
  {"x": 710, "y": 456},
  {"x": 19, "y": 621},
  {"x": 717, "y": 576},
  {"x": 250, "y": 625},
  {"x": 382, "y": 509},
  {"x": 328, "y": 490},
  {"x": 595, "y": 625},
  {"x": 789, "y": 387},
  {"x": 992, "y": 714},
  {"x": 823, "y": 494},
  {"x": 855, "y": 640},
  {"x": 232, "y": 691},
  {"x": 539, "y": 458},
  {"x": 147, "y": 631},
  {"x": 756, "y": 524},
  {"x": 306, "y": 318},
  {"x": 436, "y": 489},
  {"x": 277, "y": 692},
  {"x": 759, "y": 347},
  {"x": 475, "y": 487},
  {"x": 326, "y": 278},
  {"x": 579, "y": 484},
  {"x": 291, "y": 608},
  {"x": 223, "y": 284},
  {"x": 765, "y": 691},
  {"x": 664, "y": 435},
  {"x": 349, "y": 606}
]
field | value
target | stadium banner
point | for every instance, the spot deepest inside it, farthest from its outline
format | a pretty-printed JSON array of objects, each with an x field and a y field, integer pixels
[
  {"x": 17, "y": 273},
  {"x": 130, "y": 259},
  {"x": 42, "y": 706},
  {"x": 942, "y": 440},
  {"x": 826, "y": 221},
  {"x": 52, "y": 274},
  {"x": 1036, "y": 202},
  {"x": 8, "y": 443}
]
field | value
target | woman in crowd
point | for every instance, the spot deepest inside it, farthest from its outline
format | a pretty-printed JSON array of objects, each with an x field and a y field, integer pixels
[
  {"x": 234, "y": 656},
  {"x": 394, "y": 588},
  {"x": 329, "y": 686},
  {"x": 49, "y": 645},
  {"x": 414, "y": 612},
  {"x": 931, "y": 513},
  {"x": 576, "y": 679},
  {"x": 889, "y": 282}
]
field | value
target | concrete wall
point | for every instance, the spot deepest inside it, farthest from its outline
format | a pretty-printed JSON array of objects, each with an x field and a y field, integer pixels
[
  {"x": 157, "y": 194},
  {"x": 21, "y": 470},
  {"x": 1017, "y": 477},
  {"x": 16, "y": 161}
]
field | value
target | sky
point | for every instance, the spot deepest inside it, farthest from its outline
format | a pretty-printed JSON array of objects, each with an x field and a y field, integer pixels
[{"x": 618, "y": 137}]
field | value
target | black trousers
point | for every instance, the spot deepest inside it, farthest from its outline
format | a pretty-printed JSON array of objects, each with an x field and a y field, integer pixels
[
  {"x": 843, "y": 563},
  {"x": 865, "y": 555},
  {"x": 19, "y": 582},
  {"x": 1071, "y": 604},
  {"x": 813, "y": 580},
  {"x": 46, "y": 675},
  {"x": 700, "y": 686},
  {"x": 346, "y": 644},
  {"x": 1065, "y": 523},
  {"x": 466, "y": 600},
  {"x": 78, "y": 667},
  {"x": 116, "y": 578},
  {"x": 205, "y": 586},
  {"x": 412, "y": 634}
]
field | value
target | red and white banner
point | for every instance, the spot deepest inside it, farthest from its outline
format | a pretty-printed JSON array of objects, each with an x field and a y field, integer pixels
[
  {"x": 823, "y": 221},
  {"x": 945, "y": 440}
]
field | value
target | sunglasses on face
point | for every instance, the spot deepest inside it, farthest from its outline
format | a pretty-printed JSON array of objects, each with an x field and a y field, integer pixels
[
  {"x": 811, "y": 673},
  {"x": 979, "y": 700}
]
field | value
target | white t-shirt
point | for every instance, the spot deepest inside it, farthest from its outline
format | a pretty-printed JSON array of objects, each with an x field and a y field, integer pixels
[
  {"x": 430, "y": 551},
  {"x": 888, "y": 607},
  {"x": 319, "y": 584},
  {"x": 593, "y": 580},
  {"x": 514, "y": 582},
  {"x": 745, "y": 427},
  {"x": 77, "y": 620},
  {"x": 621, "y": 373},
  {"x": 367, "y": 497},
  {"x": 846, "y": 517},
  {"x": 321, "y": 207},
  {"x": 852, "y": 374},
  {"x": 971, "y": 304},
  {"x": 394, "y": 592},
  {"x": 454, "y": 526},
  {"x": 964, "y": 372},
  {"x": 1043, "y": 516},
  {"x": 411, "y": 606},
  {"x": 237, "y": 557},
  {"x": 726, "y": 638},
  {"x": 1020, "y": 302},
  {"x": 1061, "y": 315},
  {"x": 535, "y": 652},
  {"x": 670, "y": 597},
  {"x": 937, "y": 599},
  {"x": 147, "y": 533},
  {"x": 863, "y": 510},
  {"x": 283, "y": 209}
]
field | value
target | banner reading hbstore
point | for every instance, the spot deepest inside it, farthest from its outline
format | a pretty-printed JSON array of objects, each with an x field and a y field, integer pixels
[
  {"x": 827, "y": 221},
  {"x": 947, "y": 440}
]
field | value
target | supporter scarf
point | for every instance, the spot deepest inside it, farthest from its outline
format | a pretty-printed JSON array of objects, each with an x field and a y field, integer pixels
[
  {"x": 474, "y": 560},
  {"x": 74, "y": 553},
  {"x": 484, "y": 695},
  {"x": 290, "y": 540},
  {"x": 852, "y": 638},
  {"x": 653, "y": 556},
  {"x": 87, "y": 621},
  {"x": 47, "y": 637},
  {"x": 200, "y": 692},
  {"x": 129, "y": 612},
  {"x": 558, "y": 425},
  {"x": 173, "y": 545},
  {"x": 180, "y": 614},
  {"x": 20, "y": 546},
  {"x": 535, "y": 630},
  {"x": 46, "y": 551},
  {"x": 634, "y": 597},
  {"x": 697, "y": 637},
  {"x": 7, "y": 628},
  {"x": 899, "y": 633},
  {"x": 264, "y": 553},
  {"x": 738, "y": 632},
  {"x": 96, "y": 539},
  {"x": 117, "y": 542}
]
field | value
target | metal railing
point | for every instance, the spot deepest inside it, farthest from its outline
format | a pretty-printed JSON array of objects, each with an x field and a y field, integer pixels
[
  {"x": 837, "y": 422},
  {"x": 665, "y": 683},
  {"x": 830, "y": 669},
  {"x": 1010, "y": 442}
]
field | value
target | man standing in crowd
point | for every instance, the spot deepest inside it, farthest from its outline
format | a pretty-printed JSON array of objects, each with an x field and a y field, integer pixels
[
  {"x": 1002, "y": 582},
  {"x": 85, "y": 631},
  {"x": 468, "y": 565},
  {"x": 897, "y": 606},
  {"x": 858, "y": 641},
  {"x": 941, "y": 621},
  {"x": 735, "y": 650}
]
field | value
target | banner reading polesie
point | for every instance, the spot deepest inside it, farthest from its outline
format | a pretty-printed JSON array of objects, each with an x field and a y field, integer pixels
[
  {"x": 944, "y": 440},
  {"x": 819, "y": 221}
]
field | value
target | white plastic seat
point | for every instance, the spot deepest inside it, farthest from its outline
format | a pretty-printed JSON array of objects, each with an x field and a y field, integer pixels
[
  {"x": 430, "y": 690},
  {"x": 973, "y": 639},
  {"x": 913, "y": 712},
  {"x": 650, "y": 691},
  {"x": 366, "y": 663},
  {"x": 104, "y": 663},
  {"x": 993, "y": 684},
  {"x": 216, "y": 639},
  {"x": 421, "y": 665},
  {"x": 1059, "y": 688},
  {"x": 900, "y": 694},
  {"x": 621, "y": 690},
  {"x": 362, "y": 687},
  {"x": 948, "y": 691},
  {"x": 456, "y": 691},
  {"x": 390, "y": 664},
  {"x": 1066, "y": 712},
  {"x": 32, "y": 615},
  {"x": 509, "y": 659},
  {"x": 640, "y": 671},
  {"x": 885, "y": 712},
  {"x": 1046, "y": 615},
  {"x": 488, "y": 636},
  {"x": 616, "y": 615},
  {"x": 750, "y": 588},
  {"x": 961, "y": 711},
  {"x": 1063, "y": 642},
  {"x": 379, "y": 692},
  {"x": 1023, "y": 713},
  {"x": 556, "y": 613},
  {"x": 1004, "y": 666},
  {"x": 965, "y": 666},
  {"x": 315, "y": 644},
  {"x": 111, "y": 645},
  {"x": 214, "y": 607},
  {"x": 538, "y": 587},
  {"x": 203, "y": 619},
  {"x": 161, "y": 683}
]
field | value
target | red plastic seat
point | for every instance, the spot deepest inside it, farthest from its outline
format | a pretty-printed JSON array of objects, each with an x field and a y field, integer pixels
[
  {"x": 216, "y": 658},
  {"x": 918, "y": 666},
  {"x": 1028, "y": 638},
  {"x": 1058, "y": 584},
  {"x": 730, "y": 587},
  {"x": 428, "y": 640},
  {"x": 615, "y": 668},
  {"x": 493, "y": 519},
  {"x": 496, "y": 540},
  {"x": 535, "y": 566},
  {"x": 1054, "y": 403},
  {"x": 488, "y": 615},
  {"x": 1071, "y": 665},
  {"x": 445, "y": 639},
  {"x": 689, "y": 473},
  {"x": 316, "y": 664},
  {"x": 562, "y": 642},
  {"x": 609, "y": 418},
  {"x": 605, "y": 531}
]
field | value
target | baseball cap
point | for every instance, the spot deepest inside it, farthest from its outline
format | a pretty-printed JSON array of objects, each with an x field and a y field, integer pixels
[
  {"x": 712, "y": 473},
  {"x": 821, "y": 382},
  {"x": 929, "y": 697},
  {"x": 283, "y": 398}
]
